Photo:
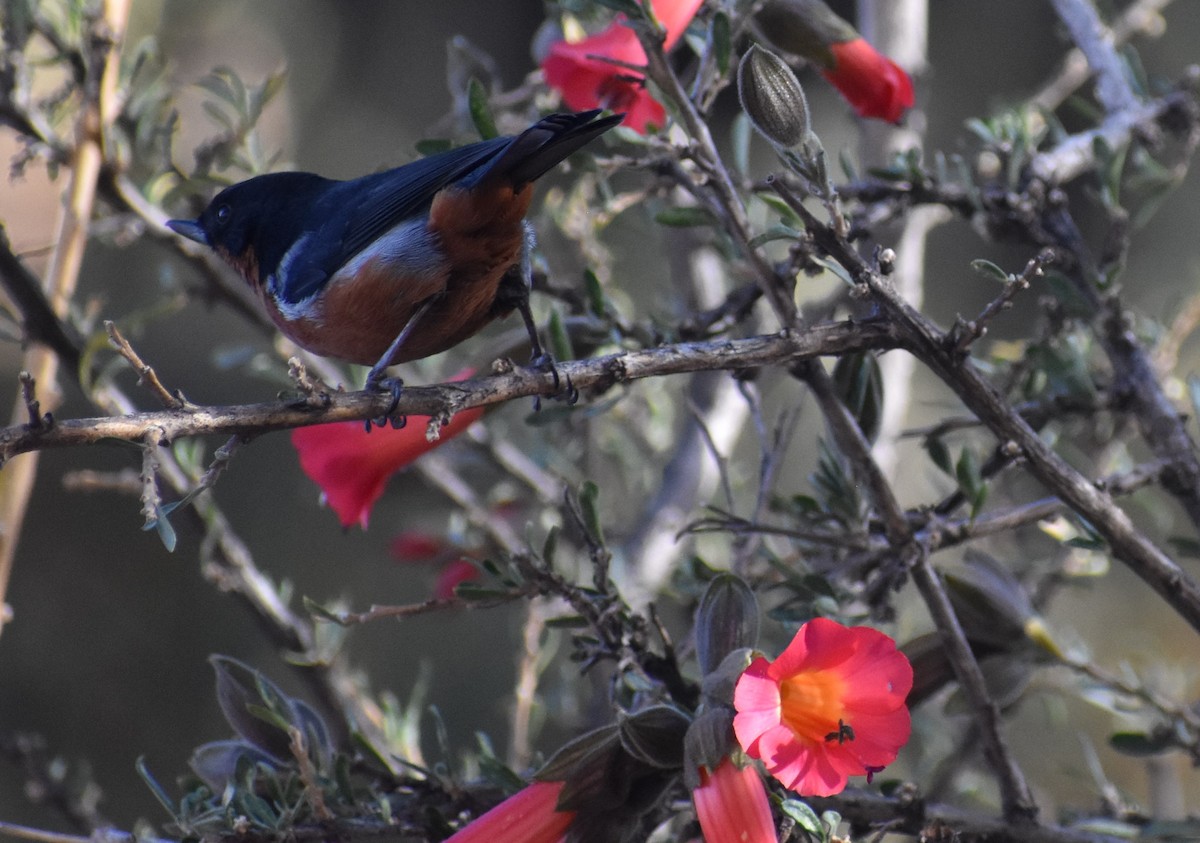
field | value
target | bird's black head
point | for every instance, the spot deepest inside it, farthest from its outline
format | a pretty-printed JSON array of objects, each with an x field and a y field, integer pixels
[{"x": 252, "y": 224}]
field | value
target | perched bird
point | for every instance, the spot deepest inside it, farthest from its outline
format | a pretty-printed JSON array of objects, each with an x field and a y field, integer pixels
[{"x": 401, "y": 264}]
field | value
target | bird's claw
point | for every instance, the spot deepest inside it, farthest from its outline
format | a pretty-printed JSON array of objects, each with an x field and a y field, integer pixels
[
  {"x": 395, "y": 386},
  {"x": 564, "y": 390}
]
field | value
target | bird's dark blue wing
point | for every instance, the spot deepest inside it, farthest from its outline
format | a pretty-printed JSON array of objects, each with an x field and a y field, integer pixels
[{"x": 353, "y": 214}]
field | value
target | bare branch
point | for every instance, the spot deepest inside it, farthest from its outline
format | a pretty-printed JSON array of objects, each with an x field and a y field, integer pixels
[{"x": 597, "y": 374}]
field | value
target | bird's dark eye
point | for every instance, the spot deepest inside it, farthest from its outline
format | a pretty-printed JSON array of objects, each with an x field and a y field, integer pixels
[{"x": 223, "y": 213}]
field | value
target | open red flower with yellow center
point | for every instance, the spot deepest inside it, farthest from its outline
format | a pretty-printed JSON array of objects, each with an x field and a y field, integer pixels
[
  {"x": 584, "y": 73},
  {"x": 830, "y": 707}
]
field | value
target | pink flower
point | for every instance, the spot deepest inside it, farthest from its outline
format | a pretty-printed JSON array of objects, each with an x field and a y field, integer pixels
[
  {"x": 831, "y": 706},
  {"x": 352, "y": 466},
  {"x": 528, "y": 816},
  {"x": 872, "y": 83},
  {"x": 586, "y": 80},
  {"x": 732, "y": 806}
]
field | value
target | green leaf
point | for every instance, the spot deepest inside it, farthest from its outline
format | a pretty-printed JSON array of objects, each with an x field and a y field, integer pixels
[
  {"x": 722, "y": 41},
  {"x": 779, "y": 206},
  {"x": 685, "y": 217},
  {"x": 432, "y": 146},
  {"x": 939, "y": 452},
  {"x": 589, "y": 503},
  {"x": 481, "y": 112},
  {"x": 1140, "y": 744},
  {"x": 739, "y": 135},
  {"x": 567, "y": 622},
  {"x": 859, "y": 383},
  {"x": 846, "y": 160},
  {"x": 836, "y": 268},
  {"x": 775, "y": 232},
  {"x": 970, "y": 480},
  {"x": 550, "y": 546},
  {"x": 805, "y": 817},
  {"x": 629, "y": 7},
  {"x": 986, "y": 267},
  {"x": 597, "y": 301},
  {"x": 559, "y": 339},
  {"x": 162, "y": 524}
]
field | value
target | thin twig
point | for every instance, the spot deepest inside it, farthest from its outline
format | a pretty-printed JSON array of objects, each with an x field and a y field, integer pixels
[
  {"x": 969, "y": 332},
  {"x": 146, "y": 374}
]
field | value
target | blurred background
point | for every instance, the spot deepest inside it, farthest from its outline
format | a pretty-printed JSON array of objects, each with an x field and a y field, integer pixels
[{"x": 106, "y": 656}]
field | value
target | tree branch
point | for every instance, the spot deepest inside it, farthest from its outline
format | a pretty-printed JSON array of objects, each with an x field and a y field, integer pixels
[{"x": 597, "y": 374}]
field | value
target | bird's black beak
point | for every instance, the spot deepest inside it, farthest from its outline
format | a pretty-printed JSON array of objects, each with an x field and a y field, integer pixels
[{"x": 189, "y": 229}]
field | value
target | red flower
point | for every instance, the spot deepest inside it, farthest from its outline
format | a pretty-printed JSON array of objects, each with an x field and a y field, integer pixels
[
  {"x": 586, "y": 80},
  {"x": 873, "y": 84},
  {"x": 352, "y": 466},
  {"x": 451, "y": 575},
  {"x": 732, "y": 806},
  {"x": 528, "y": 816},
  {"x": 831, "y": 706}
]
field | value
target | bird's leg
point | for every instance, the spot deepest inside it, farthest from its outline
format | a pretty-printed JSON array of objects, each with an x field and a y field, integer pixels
[
  {"x": 513, "y": 293},
  {"x": 376, "y": 380}
]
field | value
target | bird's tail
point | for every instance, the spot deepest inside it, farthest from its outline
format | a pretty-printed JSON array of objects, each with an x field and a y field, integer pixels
[{"x": 537, "y": 149}]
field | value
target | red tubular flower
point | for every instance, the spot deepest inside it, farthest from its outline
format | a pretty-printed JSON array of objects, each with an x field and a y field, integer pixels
[
  {"x": 528, "y": 816},
  {"x": 451, "y": 575},
  {"x": 831, "y": 706},
  {"x": 732, "y": 806},
  {"x": 872, "y": 83},
  {"x": 586, "y": 80},
  {"x": 352, "y": 466}
]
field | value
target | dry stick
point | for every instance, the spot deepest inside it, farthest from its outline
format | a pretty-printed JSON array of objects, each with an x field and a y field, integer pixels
[
  {"x": 982, "y": 398},
  {"x": 99, "y": 109},
  {"x": 597, "y": 373},
  {"x": 146, "y": 375},
  {"x": 1015, "y": 796}
]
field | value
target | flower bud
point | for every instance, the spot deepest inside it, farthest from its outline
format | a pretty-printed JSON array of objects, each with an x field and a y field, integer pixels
[
  {"x": 726, "y": 620},
  {"x": 772, "y": 97}
]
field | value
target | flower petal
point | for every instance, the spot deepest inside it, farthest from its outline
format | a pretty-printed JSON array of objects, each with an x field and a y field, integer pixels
[
  {"x": 873, "y": 84},
  {"x": 732, "y": 806},
  {"x": 528, "y": 816},
  {"x": 352, "y": 466}
]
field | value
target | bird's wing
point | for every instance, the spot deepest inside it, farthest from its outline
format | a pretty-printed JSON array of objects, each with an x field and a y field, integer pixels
[{"x": 356, "y": 213}]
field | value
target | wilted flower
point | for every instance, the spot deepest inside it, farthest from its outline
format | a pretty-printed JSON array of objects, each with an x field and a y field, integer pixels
[
  {"x": 352, "y": 466},
  {"x": 731, "y": 804},
  {"x": 584, "y": 73},
  {"x": 831, "y": 706},
  {"x": 528, "y": 816}
]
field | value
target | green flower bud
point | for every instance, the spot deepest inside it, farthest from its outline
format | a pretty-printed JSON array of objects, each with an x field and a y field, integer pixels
[
  {"x": 772, "y": 97},
  {"x": 726, "y": 620}
]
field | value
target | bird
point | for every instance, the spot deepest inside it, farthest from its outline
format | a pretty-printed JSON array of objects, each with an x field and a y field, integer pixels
[{"x": 401, "y": 264}]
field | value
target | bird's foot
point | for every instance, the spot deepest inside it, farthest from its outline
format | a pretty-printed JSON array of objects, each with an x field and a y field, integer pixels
[
  {"x": 564, "y": 390},
  {"x": 377, "y": 383}
]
